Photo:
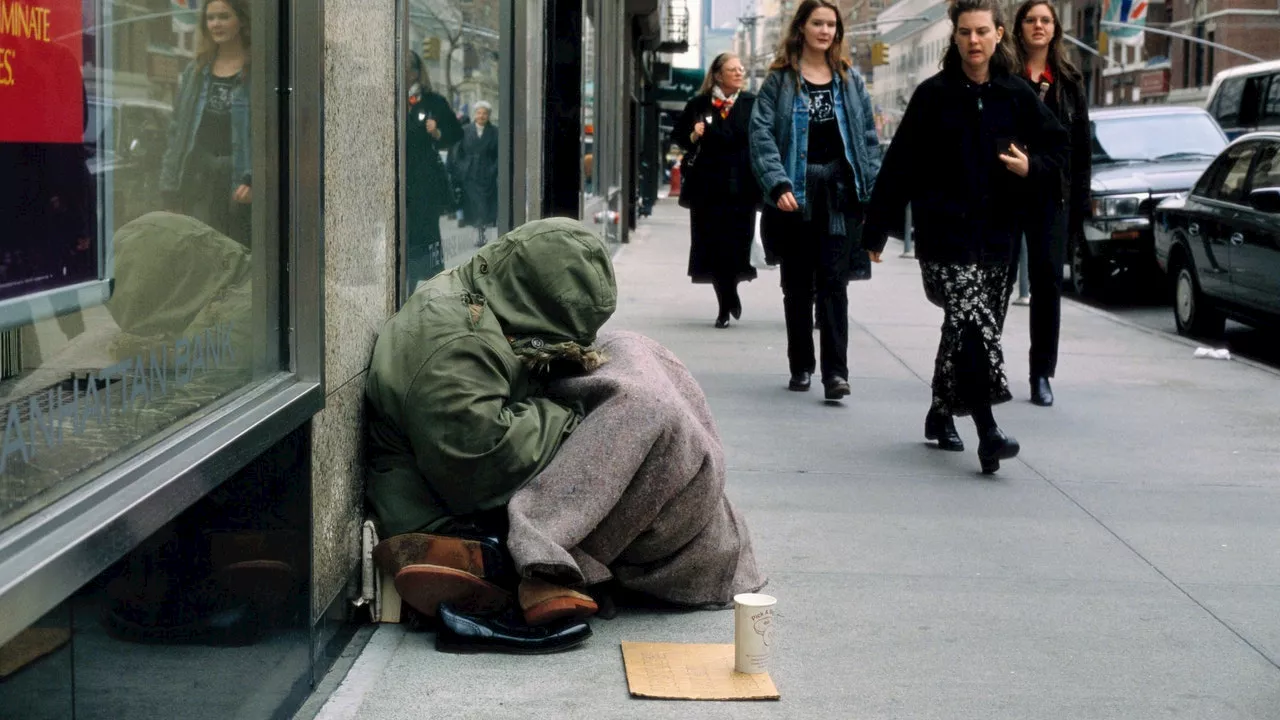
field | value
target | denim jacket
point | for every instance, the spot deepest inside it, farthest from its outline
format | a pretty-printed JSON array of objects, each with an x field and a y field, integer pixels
[
  {"x": 193, "y": 92},
  {"x": 773, "y": 130}
]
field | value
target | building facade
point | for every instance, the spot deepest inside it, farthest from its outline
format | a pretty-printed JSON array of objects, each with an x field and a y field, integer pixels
[{"x": 204, "y": 231}]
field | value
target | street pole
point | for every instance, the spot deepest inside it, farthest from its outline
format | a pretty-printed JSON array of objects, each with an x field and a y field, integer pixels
[
  {"x": 749, "y": 24},
  {"x": 1182, "y": 36}
]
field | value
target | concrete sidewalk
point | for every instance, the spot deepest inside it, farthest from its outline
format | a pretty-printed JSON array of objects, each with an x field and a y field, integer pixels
[{"x": 1127, "y": 565}]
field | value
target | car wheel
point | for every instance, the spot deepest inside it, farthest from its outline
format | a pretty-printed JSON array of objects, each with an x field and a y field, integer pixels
[
  {"x": 1193, "y": 313},
  {"x": 1084, "y": 277}
]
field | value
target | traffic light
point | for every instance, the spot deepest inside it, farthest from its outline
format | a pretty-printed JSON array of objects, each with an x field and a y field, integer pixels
[
  {"x": 431, "y": 48},
  {"x": 879, "y": 54}
]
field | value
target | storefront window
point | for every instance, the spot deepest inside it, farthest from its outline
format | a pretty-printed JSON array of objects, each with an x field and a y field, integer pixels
[
  {"x": 139, "y": 268},
  {"x": 451, "y": 134}
]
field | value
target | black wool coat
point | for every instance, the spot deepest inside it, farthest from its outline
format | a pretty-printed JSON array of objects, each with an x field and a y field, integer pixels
[
  {"x": 1063, "y": 216},
  {"x": 967, "y": 207},
  {"x": 722, "y": 191}
]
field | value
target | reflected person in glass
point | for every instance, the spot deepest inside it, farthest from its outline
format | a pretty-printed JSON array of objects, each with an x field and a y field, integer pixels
[
  {"x": 475, "y": 172},
  {"x": 717, "y": 185},
  {"x": 207, "y": 170},
  {"x": 431, "y": 127}
]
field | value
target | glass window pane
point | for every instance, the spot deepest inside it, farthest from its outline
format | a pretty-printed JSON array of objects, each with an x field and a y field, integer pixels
[
  {"x": 453, "y": 121},
  {"x": 138, "y": 276}
]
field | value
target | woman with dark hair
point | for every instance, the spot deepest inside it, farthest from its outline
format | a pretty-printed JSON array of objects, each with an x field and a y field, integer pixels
[
  {"x": 1058, "y": 216},
  {"x": 974, "y": 149},
  {"x": 207, "y": 168},
  {"x": 720, "y": 192},
  {"x": 431, "y": 127},
  {"x": 816, "y": 154}
]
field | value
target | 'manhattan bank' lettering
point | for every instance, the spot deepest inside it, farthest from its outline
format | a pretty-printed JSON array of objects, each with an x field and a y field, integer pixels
[{"x": 125, "y": 386}]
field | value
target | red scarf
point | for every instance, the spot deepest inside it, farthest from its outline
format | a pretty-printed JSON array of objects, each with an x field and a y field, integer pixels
[{"x": 724, "y": 106}]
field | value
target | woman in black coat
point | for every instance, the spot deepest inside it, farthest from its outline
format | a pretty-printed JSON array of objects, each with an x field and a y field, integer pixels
[
  {"x": 430, "y": 127},
  {"x": 718, "y": 186},
  {"x": 475, "y": 162},
  {"x": 1044, "y": 64},
  {"x": 974, "y": 149}
]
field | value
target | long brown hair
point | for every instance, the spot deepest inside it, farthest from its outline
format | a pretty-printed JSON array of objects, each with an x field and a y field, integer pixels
[
  {"x": 1004, "y": 60},
  {"x": 792, "y": 46},
  {"x": 208, "y": 49},
  {"x": 716, "y": 66},
  {"x": 1059, "y": 64}
]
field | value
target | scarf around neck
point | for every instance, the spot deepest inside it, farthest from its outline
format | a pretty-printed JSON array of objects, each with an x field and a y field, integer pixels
[{"x": 722, "y": 102}]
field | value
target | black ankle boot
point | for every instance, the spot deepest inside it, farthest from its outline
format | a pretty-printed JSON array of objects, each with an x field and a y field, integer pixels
[
  {"x": 942, "y": 428},
  {"x": 994, "y": 447}
]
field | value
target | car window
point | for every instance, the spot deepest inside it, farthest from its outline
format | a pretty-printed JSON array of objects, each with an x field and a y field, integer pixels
[
  {"x": 1229, "y": 184},
  {"x": 1226, "y": 107},
  {"x": 1211, "y": 177},
  {"x": 1266, "y": 173},
  {"x": 1156, "y": 137},
  {"x": 1271, "y": 108}
]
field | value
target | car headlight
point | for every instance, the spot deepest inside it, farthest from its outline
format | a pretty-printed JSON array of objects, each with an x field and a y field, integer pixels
[{"x": 1118, "y": 206}]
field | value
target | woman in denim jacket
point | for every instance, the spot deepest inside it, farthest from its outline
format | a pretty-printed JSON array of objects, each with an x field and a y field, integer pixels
[
  {"x": 815, "y": 153},
  {"x": 207, "y": 168}
]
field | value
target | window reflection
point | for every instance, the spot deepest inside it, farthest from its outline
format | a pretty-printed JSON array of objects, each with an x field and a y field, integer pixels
[
  {"x": 451, "y": 134},
  {"x": 133, "y": 272}
]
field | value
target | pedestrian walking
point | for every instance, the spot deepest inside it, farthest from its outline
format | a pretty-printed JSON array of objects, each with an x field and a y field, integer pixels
[
  {"x": 717, "y": 185},
  {"x": 475, "y": 167},
  {"x": 815, "y": 153},
  {"x": 974, "y": 148},
  {"x": 1057, "y": 217},
  {"x": 431, "y": 127},
  {"x": 207, "y": 169}
]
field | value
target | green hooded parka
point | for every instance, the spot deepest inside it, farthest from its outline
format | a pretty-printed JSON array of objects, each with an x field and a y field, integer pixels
[{"x": 454, "y": 425}]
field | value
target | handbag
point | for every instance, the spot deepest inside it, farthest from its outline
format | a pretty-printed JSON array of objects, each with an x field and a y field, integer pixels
[{"x": 687, "y": 173}]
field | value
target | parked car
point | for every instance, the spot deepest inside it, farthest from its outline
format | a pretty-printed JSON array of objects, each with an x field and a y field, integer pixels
[
  {"x": 1141, "y": 155},
  {"x": 1220, "y": 242},
  {"x": 1246, "y": 99}
]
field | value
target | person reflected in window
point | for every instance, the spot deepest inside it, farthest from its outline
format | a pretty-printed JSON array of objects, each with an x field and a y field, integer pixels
[
  {"x": 431, "y": 128},
  {"x": 1058, "y": 217},
  {"x": 475, "y": 162},
  {"x": 717, "y": 185},
  {"x": 816, "y": 154},
  {"x": 207, "y": 170},
  {"x": 974, "y": 150}
]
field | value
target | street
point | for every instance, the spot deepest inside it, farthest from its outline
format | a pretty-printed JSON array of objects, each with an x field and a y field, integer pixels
[
  {"x": 1125, "y": 565},
  {"x": 1151, "y": 309}
]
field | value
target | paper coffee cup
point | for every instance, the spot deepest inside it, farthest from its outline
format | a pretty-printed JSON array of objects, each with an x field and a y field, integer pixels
[{"x": 752, "y": 632}]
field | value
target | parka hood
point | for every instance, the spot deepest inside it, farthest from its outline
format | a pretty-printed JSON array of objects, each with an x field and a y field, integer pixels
[{"x": 547, "y": 282}]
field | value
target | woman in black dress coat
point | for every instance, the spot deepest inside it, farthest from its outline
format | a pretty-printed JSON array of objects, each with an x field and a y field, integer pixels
[
  {"x": 1059, "y": 216},
  {"x": 717, "y": 185}
]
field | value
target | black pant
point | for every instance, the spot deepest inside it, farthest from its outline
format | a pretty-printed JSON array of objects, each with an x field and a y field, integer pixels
[
  {"x": 1044, "y": 272},
  {"x": 813, "y": 259},
  {"x": 726, "y": 287}
]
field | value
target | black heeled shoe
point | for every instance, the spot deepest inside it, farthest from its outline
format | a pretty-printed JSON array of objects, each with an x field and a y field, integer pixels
[
  {"x": 736, "y": 310},
  {"x": 942, "y": 428},
  {"x": 994, "y": 447},
  {"x": 722, "y": 320},
  {"x": 1041, "y": 392},
  {"x": 800, "y": 382}
]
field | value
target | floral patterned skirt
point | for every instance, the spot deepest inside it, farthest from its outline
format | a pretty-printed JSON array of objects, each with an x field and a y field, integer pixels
[{"x": 974, "y": 300}]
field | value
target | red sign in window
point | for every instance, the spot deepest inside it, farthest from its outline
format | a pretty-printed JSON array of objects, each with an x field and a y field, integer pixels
[{"x": 41, "y": 81}]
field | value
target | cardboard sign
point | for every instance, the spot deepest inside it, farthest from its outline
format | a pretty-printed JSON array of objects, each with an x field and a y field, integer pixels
[
  {"x": 41, "y": 81},
  {"x": 676, "y": 671}
]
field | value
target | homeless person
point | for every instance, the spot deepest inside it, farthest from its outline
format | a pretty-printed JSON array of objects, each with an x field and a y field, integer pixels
[{"x": 496, "y": 410}]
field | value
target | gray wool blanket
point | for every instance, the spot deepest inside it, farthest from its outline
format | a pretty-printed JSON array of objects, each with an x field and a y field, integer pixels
[{"x": 636, "y": 492}]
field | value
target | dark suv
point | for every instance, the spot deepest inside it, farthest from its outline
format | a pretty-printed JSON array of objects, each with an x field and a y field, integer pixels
[{"x": 1141, "y": 155}]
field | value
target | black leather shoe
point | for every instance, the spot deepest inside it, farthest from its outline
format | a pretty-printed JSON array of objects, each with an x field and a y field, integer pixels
[
  {"x": 737, "y": 309},
  {"x": 722, "y": 321},
  {"x": 943, "y": 429},
  {"x": 1041, "y": 393},
  {"x": 505, "y": 633},
  {"x": 994, "y": 447},
  {"x": 800, "y": 382},
  {"x": 836, "y": 388}
]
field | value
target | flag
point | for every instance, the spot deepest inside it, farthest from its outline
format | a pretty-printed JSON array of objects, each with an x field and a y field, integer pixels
[
  {"x": 1130, "y": 13},
  {"x": 186, "y": 15}
]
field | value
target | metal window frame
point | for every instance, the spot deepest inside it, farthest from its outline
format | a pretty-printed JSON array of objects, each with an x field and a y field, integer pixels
[{"x": 47, "y": 557}]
